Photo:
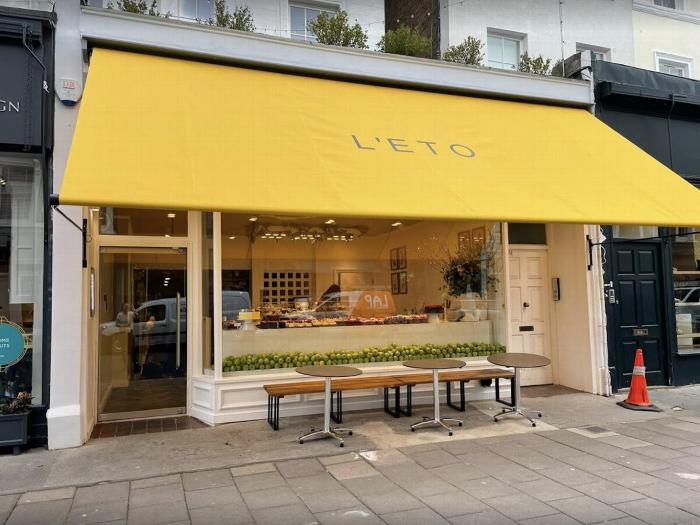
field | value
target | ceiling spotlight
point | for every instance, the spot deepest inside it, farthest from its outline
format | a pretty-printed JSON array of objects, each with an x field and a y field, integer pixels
[
  {"x": 396, "y": 224},
  {"x": 330, "y": 221},
  {"x": 232, "y": 237},
  {"x": 94, "y": 210},
  {"x": 253, "y": 219},
  {"x": 171, "y": 215}
]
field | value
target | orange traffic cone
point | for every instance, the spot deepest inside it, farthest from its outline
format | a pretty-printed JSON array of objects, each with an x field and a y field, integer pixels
[{"x": 638, "y": 397}]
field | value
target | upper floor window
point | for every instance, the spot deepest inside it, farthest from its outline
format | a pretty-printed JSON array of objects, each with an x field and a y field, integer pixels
[
  {"x": 503, "y": 51},
  {"x": 670, "y": 4},
  {"x": 597, "y": 53},
  {"x": 299, "y": 17},
  {"x": 673, "y": 65},
  {"x": 196, "y": 9}
]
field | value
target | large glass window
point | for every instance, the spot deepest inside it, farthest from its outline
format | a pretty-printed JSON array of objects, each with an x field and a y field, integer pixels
[
  {"x": 299, "y": 18},
  {"x": 21, "y": 268},
  {"x": 308, "y": 290},
  {"x": 686, "y": 284}
]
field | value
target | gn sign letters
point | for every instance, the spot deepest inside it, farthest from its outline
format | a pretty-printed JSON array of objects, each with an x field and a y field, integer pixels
[
  {"x": 9, "y": 106},
  {"x": 398, "y": 145}
]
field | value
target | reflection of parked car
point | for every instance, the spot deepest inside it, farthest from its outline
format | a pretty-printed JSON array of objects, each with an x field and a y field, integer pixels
[
  {"x": 687, "y": 296},
  {"x": 233, "y": 301}
]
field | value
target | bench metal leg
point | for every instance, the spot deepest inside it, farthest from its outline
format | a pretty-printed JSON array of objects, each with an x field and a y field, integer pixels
[
  {"x": 273, "y": 411},
  {"x": 510, "y": 403},
  {"x": 462, "y": 398},
  {"x": 337, "y": 415},
  {"x": 396, "y": 412},
  {"x": 409, "y": 401}
]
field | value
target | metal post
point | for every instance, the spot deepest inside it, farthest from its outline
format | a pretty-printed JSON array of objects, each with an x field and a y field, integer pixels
[
  {"x": 327, "y": 407},
  {"x": 436, "y": 394},
  {"x": 177, "y": 331}
]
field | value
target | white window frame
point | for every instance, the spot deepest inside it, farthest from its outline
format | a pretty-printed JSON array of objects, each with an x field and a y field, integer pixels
[
  {"x": 680, "y": 5},
  {"x": 328, "y": 7},
  {"x": 676, "y": 60},
  {"x": 196, "y": 17},
  {"x": 519, "y": 38},
  {"x": 605, "y": 51}
]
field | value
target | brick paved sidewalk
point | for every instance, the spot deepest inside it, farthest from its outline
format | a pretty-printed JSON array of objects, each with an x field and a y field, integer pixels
[{"x": 622, "y": 474}]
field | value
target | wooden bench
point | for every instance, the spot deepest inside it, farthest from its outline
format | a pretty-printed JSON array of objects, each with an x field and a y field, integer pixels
[{"x": 277, "y": 391}]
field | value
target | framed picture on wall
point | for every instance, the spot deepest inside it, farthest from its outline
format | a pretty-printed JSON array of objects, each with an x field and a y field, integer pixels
[
  {"x": 401, "y": 258},
  {"x": 395, "y": 283},
  {"x": 403, "y": 282},
  {"x": 479, "y": 235},
  {"x": 464, "y": 240},
  {"x": 394, "y": 258}
]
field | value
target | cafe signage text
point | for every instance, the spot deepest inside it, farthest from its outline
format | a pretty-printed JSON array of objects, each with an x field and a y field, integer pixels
[
  {"x": 9, "y": 106},
  {"x": 402, "y": 145},
  {"x": 12, "y": 343}
]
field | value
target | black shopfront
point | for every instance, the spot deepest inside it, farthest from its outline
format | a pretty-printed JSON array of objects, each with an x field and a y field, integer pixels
[
  {"x": 652, "y": 274},
  {"x": 26, "y": 141}
]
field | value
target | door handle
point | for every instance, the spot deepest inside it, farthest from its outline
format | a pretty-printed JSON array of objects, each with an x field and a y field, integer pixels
[{"x": 526, "y": 305}]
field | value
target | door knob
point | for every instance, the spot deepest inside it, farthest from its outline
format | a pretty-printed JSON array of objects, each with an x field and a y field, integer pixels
[{"x": 526, "y": 305}]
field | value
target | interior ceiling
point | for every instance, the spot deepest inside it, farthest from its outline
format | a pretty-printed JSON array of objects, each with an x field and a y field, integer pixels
[{"x": 234, "y": 224}]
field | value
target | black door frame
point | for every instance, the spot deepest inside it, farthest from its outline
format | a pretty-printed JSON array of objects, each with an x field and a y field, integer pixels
[{"x": 666, "y": 293}]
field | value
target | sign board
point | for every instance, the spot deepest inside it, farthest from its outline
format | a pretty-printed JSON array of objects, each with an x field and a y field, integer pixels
[
  {"x": 374, "y": 303},
  {"x": 20, "y": 95},
  {"x": 13, "y": 343}
]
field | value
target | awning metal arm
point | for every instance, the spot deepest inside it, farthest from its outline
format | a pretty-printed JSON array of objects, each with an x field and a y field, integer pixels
[{"x": 83, "y": 230}]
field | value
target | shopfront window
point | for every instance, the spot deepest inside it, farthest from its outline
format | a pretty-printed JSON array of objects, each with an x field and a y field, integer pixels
[
  {"x": 309, "y": 290},
  {"x": 686, "y": 284},
  {"x": 150, "y": 223},
  {"x": 21, "y": 269}
]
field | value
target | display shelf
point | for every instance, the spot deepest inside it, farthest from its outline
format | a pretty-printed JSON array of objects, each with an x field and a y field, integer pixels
[{"x": 353, "y": 338}]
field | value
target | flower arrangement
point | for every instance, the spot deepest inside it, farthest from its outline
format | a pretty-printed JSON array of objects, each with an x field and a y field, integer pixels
[
  {"x": 19, "y": 405},
  {"x": 471, "y": 268}
]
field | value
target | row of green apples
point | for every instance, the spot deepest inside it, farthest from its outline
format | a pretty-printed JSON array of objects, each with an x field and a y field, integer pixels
[{"x": 367, "y": 355}]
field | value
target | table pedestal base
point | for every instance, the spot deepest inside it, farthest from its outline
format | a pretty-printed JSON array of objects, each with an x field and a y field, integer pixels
[
  {"x": 442, "y": 422},
  {"x": 518, "y": 412},
  {"x": 323, "y": 434}
]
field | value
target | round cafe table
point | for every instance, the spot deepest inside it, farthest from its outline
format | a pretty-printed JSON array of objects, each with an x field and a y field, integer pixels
[
  {"x": 518, "y": 361},
  {"x": 435, "y": 365},
  {"x": 327, "y": 372}
]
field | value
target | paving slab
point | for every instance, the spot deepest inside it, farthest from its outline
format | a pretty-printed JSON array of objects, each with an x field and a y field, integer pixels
[
  {"x": 656, "y": 512},
  {"x": 214, "y": 497},
  {"x": 230, "y": 514},
  {"x": 101, "y": 493},
  {"x": 451, "y": 504},
  {"x": 490, "y": 517},
  {"x": 484, "y": 488},
  {"x": 158, "y": 495},
  {"x": 609, "y": 492},
  {"x": 257, "y": 468},
  {"x": 265, "y": 480},
  {"x": 158, "y": 514},
  {"x": 156, "y": 481},
  {"x": 268, "y": 498},
  {"x": 207, "y": 479},
  {"x": 545, "y": 489},
  {"x": 554, "y": 519},
  {"x": 520, "y": 507},
  {"x": 389, "y": 502},
  {"x": 328, "y": 500},
  {"x": 352, "y": 470},
  {"x": 295, "y": 514},
  {"x": 98, "y": 513},
  {"x": 44, "y": 513},
  {"x": 586, "y": 509},
  {"x": 47, "y": 495},
  {"x": 421, "y": 516},
  {"x": 300, "y": 467},
  {"x": 357, "y": 515}
]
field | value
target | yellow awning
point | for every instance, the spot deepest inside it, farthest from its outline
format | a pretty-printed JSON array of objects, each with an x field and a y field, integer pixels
[{"x": 157, "y": 132}]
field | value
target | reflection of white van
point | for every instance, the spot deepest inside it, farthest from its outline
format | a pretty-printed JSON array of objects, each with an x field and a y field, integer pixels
[{"x": 233, "y": 301}]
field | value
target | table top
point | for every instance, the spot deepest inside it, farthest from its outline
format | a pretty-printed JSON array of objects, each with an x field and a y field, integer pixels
[
  {"x": 432, "y": 364},
  {"x": 329, "y": 371},
  {"x": 518, "y": 360}
]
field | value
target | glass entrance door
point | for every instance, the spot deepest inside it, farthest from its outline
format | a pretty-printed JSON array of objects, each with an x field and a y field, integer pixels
[{"x": 142, "y": 341}]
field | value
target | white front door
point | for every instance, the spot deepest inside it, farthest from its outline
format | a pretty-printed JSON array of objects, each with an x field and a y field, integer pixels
[{"x": 529, "y": 310}]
